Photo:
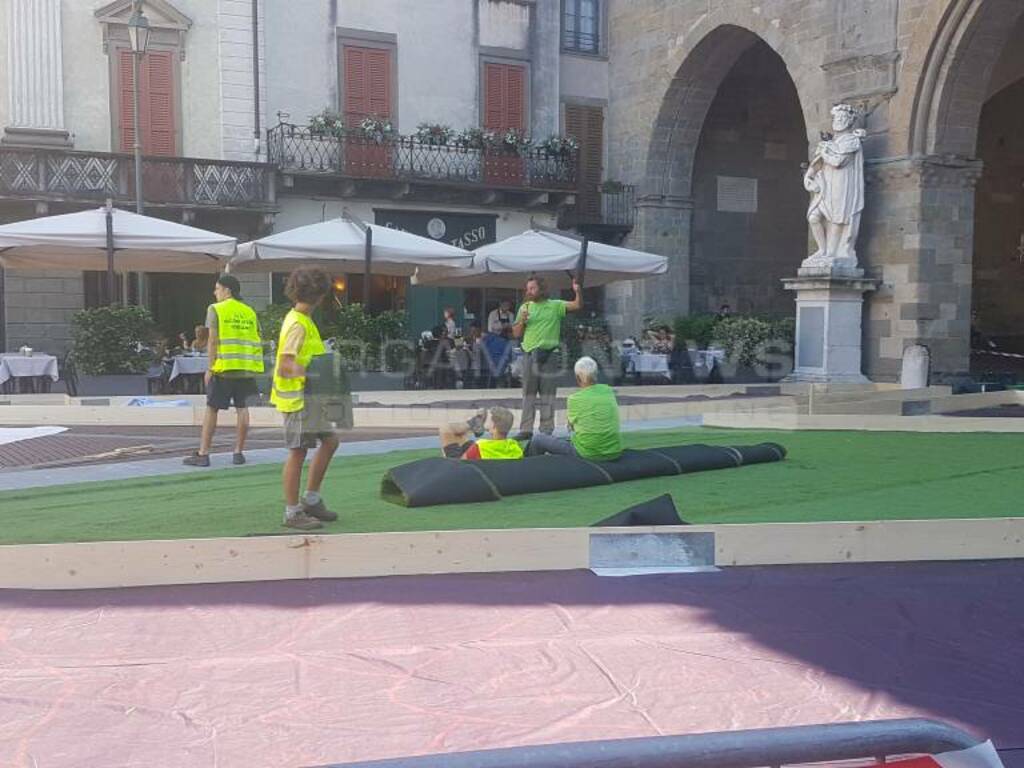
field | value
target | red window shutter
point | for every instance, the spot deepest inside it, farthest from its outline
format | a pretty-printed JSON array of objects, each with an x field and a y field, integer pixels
[
  {"x": 586, "y": 125},
  {"x": 378, "y": 66},
  {"x": 126, "y": 130},
  {"x": 515, "y": 104},
  {"x": 160, "y": 135},
  {"x": 367, "y": 83},
  {"x": 504, "y": 97},
  {"x": 494, "y": 97}
]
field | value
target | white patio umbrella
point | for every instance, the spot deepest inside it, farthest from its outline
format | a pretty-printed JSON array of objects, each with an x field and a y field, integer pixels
[
  {"x": 555, "y": 256},
  {"x": 346, "y": 244},
  {"x": 111, "y": 239}
]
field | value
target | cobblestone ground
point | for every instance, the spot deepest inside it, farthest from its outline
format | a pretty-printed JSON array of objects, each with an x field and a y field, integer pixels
[{"x": 107, "y": 444}]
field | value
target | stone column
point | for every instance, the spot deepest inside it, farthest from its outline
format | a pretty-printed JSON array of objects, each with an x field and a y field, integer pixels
[
  {"x": 35, "y": 75},
  {"x": 663, "y": 225},
  {"x": 917, "y": 239}
]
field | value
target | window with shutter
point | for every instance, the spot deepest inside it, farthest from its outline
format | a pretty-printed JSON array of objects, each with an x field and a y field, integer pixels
[
  {"x": 504, "y": 96},
  {"x": 586, "y": 125},
  {"x": 366, "y": 77},
  {"x": 157, "y": 118}
]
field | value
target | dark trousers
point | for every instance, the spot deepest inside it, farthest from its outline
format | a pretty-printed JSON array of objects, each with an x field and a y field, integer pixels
[{"x": 541, "y": 369}]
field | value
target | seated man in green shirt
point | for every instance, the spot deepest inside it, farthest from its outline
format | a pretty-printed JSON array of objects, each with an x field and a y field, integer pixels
[{"x": 593, "y": 420}]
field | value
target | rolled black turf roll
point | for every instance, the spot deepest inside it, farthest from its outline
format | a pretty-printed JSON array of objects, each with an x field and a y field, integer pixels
[{"x": 429, "y": 482}]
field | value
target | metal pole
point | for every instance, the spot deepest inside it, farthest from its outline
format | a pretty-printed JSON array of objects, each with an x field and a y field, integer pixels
[
  {"x": 581, "y": 268},
  {"x": 110, "y": 251},
  {"x": 367, "y": 267},
  {"x": 736, "y": 749},
  {"x": 137, "y": 132}
]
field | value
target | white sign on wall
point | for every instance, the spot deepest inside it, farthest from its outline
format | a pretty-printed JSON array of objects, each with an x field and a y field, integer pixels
[{"x": 737, "y": 194}]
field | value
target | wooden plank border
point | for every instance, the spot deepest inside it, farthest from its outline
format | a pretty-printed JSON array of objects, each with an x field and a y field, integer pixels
[{"x": 273, "y": 558}]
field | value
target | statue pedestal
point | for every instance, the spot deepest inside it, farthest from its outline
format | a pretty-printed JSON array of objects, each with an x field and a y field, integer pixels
[{"x": 829, "y": 306}]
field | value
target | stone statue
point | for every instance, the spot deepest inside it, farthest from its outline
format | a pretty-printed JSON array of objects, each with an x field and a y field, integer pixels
[{"x": 835, "y": 179}]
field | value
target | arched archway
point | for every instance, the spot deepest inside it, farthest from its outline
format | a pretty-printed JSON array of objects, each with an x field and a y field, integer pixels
[
  {"x": 723, "y": 177},
  {"x": 957, "y": 58}
]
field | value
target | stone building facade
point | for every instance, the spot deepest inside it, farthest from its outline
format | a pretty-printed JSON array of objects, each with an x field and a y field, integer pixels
[{"x": 943, "y": 226}]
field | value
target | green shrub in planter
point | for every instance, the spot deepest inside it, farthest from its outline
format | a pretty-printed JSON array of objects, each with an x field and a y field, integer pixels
[
  {"x": 107, "y": 340},
  {"x": 271, "y": 319},
  {"x": 695, "y": 329},
  {"x": 744, "y": 339}
]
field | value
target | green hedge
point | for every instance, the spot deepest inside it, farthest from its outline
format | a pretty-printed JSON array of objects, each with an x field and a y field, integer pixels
[{"x": 107, "y": 340}]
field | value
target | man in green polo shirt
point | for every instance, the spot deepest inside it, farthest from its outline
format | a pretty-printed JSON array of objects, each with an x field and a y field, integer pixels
[
  {"x": 593, "y": 414},
  {"x": 539, "y": 325}
]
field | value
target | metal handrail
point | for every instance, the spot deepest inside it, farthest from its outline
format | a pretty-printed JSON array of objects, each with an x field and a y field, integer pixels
[{"x": 796, "y": 745}]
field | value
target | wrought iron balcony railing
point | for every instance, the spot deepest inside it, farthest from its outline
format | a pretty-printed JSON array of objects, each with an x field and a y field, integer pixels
[
  {"x": 296, "y": 149},
  {"x": 50, "y": 175},
  {"x": 611, "y": 206}
]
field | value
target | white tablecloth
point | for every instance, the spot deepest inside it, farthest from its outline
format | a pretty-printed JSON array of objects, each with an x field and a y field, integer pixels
[
  {"x": 19, "y": 366},
  {"x": 708, "y": 357},
  {"x": 185, "y": 365},
  {"x": 645, "y": 362}
]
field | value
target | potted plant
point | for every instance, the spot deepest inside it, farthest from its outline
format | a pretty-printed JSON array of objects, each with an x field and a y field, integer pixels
[
  {"x": 503, "y": 163},
  {"x": 433, "y": 153},
  {"x": 369, "y": 150},
  {"x": 322, "y": 150},
  {"x": 110, "y": 349}
]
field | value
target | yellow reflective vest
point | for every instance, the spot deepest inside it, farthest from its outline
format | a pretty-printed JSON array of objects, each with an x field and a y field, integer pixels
[
  {"x": 238, "y": 338},
  {"x": 499, "y": 449},
  {"x": 288, "y": 394}
]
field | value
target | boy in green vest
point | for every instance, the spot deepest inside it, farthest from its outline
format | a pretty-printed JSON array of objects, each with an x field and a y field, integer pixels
[
  {"x": 235, "y": 360},
  {"x": 456, "y": 442},
  {"x": 305, "y": 422}
]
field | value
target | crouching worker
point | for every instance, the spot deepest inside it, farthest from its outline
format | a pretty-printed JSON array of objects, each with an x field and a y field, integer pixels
[
  {"x": 305, "y": 420},
  {"x": 457, "y": 440},
  {"x": 593, "y": 415}
]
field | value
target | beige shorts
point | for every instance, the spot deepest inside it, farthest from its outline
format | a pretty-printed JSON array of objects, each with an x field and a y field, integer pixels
[{"x": 305, "y": 428}]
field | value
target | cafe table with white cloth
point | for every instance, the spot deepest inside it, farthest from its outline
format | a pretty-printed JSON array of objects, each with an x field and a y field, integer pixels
[
  {"x": 188, "y": 365},
  {"x": 19, "y": 366}
]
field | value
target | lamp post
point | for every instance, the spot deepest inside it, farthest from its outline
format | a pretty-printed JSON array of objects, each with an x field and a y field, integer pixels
[{"x": 138, "y": 35}]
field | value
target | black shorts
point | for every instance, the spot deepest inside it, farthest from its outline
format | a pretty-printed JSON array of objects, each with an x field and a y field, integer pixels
[
  {"x": 456, "y": 450},
  {"x": 224, "y": 392}
]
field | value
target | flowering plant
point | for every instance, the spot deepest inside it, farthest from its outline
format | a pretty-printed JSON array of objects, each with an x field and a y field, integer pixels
[
  {"x": 513, "y": 140},
  {"x": 327, "y": 123},
  {"x": 474, "y": 138},
  {"x": 377, "y": 129},
  {"x": 435, "y": 134},
  {"x": 559, "y": 145}
]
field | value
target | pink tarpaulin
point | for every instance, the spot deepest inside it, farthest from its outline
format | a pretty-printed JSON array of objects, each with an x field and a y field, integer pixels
[{"x": 306, "y": 673}]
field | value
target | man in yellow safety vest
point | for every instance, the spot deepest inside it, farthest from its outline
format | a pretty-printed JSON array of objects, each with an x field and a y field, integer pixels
[
  {"x": 235, "y": 360},
  {"x": 306, "y": 420}
]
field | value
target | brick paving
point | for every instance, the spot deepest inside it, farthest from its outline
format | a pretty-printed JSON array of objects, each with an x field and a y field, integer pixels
[{"x": 115, "y": 444}]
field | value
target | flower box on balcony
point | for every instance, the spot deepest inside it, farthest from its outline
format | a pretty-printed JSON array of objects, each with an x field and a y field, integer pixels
[{"x": 503, "y": 169}]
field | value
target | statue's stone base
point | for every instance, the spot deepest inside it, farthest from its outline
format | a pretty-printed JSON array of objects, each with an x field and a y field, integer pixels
[{"x": 829, "y": 306}]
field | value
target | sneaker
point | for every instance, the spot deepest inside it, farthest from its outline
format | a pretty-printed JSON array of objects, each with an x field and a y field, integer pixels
[
  {"x": 197, "y": 460},
  {"x": 238, "y": 458},
  {"x": 476, "y": 424},
  {"x": 302, "y": 522},
  {"x": 319, "y": 511},
  {"x": 524, "y": 437}
]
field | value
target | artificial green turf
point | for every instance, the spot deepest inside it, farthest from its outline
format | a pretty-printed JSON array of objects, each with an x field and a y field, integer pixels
[{"x": 827, "y": 476}]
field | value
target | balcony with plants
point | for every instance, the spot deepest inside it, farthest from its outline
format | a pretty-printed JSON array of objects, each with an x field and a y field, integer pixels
[{"x": 434, "y": 162}]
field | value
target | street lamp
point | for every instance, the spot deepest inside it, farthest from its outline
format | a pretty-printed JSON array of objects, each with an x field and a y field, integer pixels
[{"x": 138, "y": 35}]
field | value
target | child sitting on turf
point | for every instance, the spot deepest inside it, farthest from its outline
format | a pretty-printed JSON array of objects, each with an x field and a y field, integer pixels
[{"x": 457, "y": 442}]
